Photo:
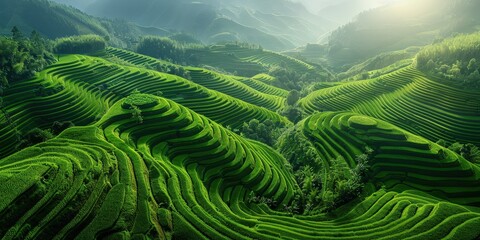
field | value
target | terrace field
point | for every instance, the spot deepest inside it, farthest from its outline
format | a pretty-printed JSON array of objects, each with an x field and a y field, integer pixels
[
  {"x": 409, "y": 99},
  {"x": 181, "y": 175},
  {"x": 165, "y": 151},
  {"x": 89, "y": 86}
]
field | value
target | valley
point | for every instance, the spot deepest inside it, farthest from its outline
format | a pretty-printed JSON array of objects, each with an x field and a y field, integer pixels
[{"x": 163, "y": 136}]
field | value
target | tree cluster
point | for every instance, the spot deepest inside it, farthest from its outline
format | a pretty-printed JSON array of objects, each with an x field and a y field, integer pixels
[
  {"x": 170, "y": 69},
  {"x": 467, "y": 150},
  {"x": 289, "y": 79},
  {"x": 38, "y": 135},
  {"x": 454, "y": 59},
  {"x": 80, "y": 44},
  {"x": 266, "y": 132},
  {"x": 291, "y": 110},
  {"x": 21, "y": 57},
  {"x": 324, "y": 185},
  {"x": 162, "y": 48}
]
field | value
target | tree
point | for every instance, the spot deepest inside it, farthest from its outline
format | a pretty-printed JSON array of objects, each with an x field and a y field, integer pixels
[
  {"x": 137, "y": 114},
  {"x": 21, "y": 58},
  {"x": 38, "y": 42},
  {"x": 58, "y": 127},
  {"x": 455, "y": 71},
  {"x": 17, "y": 35},
  {"x": 431, "y": 65},
  {"x": 293, "y": 113},
  {"x": 293, "y": 97},
  {"x": 472, "y": 65},
  {"x": 265, "y": 132},
  {"x": 33, "y": 137},
  {"x": 469, "y": 151}
]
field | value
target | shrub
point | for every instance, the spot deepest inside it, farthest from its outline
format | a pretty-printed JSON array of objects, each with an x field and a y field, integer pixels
[
  {"x": 33, "y": 137},
  {"x": 58, "y": 127}
]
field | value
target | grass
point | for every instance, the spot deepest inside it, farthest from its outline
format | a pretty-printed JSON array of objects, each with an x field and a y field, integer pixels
[{"x": 183, "y": 175}]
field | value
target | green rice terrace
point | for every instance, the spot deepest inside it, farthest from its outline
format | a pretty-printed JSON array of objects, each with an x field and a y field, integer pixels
[
  {"x": 181, "y": 175},
  {"x": 231, "y": 141}
]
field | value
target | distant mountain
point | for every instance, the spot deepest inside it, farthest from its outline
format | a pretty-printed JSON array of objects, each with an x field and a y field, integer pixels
[
  {"x": 400, "y": 25},
  {"x": 274, "y": 24},
  {"x": 55, "y": 20}
]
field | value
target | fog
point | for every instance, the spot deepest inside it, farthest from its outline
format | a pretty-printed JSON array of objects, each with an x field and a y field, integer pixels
[{"x": 318, "y": 5}]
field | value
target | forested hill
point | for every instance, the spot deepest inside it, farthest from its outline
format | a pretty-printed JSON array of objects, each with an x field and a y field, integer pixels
[{"x": 42, "y": 15}]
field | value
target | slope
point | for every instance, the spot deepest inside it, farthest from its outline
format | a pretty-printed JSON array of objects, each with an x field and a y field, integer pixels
[
  {"x": 408, "y": 99},
  {"x": 80, "y": 89},
  {"x": 41, "y": 15},
  {"x": 258, "y": 94},
  {"x": 181, "y": 175},
  {"x": 400, "y": 25}
]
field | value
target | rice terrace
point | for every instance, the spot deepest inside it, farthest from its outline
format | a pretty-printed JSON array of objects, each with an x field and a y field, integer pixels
[{"x": 240, "y": 119}]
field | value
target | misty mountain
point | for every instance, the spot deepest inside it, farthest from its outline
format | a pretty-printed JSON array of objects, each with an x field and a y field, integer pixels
[
  {"x": 55, "y": 20},
  {"x": 274, "y": 24},
  {"x": 400, "y": 25},
  {"x": 345, "y": 11}
]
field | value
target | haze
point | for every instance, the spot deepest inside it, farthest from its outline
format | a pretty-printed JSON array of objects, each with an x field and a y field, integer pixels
[{"x": 318, "y": 5}]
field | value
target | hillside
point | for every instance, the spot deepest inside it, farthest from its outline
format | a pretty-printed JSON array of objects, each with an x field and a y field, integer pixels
[
  {"x": 41, "y": 15},
  {"x": 398, "y": 26},
  {"x": 409, "y": 99},
  {"x": 122, "y": 180},
  {"x": 129, "y": 132},
  {"x": 91, "y": 85}
]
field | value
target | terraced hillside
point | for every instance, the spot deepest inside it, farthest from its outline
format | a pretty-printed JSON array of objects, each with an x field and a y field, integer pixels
[
  {"x": 238, "y": 89},
  {"x": 263, "y": 87},
  {"x": 247, "y": 61},
  {"x": 180, "y": 175},
  {"x": 401, "y": 160},
  {"x": 408, "y": 99},
  {"x": 80, "y": 89},
  {"x": 250, "y": 91}
]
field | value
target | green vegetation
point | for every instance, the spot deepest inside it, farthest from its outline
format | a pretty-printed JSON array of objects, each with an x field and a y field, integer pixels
[
  {"x": 469, "y": 151},
  {"x": 53, "y": 20},
  {"x": 90, "y": 85},
  {"x": 162, "y": 47},
  {"x": 379, "y": 65},
  {"x": 454, "y": 59},
  {"x": 265, "y": 132},
  {"x": 80, "y": 44},
  {"x": 199, "y": 184},
  {"x": 409, "y": 99},
  {"x": 21, "y": 57},
  {"x": 181, "y": 140}
]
